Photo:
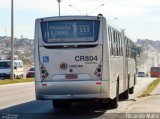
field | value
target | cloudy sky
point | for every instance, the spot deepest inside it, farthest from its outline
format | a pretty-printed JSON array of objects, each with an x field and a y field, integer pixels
[{"x": 139, "y": 18}]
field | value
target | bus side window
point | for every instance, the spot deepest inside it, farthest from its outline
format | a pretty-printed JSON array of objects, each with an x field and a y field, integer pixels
[
  {"x": 116, "y": 45},
  {"x": 127, "y": 52},
  {"x": 110, "y": 41},
  {"x": 119, "y": 52},
  {"x": 120, "y": 46},
  {"x": 125, "y": 42},
  {"x": 128, "y": 48},
  {"x": 114, "y": 39}
]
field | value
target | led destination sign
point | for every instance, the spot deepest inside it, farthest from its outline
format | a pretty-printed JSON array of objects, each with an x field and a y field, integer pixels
[{"x": 70, "y": 31}]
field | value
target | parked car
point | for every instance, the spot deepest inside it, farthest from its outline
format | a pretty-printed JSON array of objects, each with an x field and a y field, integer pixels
[
  {"x": 141, "y": 74},
  {"x": 30, "y": 73}
]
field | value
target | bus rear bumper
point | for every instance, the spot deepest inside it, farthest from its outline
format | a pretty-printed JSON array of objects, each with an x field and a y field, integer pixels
[
  {"x": 68, "y": 91},
  {"x": 69, "y": 97}
]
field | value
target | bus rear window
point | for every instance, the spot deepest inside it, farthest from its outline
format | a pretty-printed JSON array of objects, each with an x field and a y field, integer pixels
[{"x": 67, "y": 31}]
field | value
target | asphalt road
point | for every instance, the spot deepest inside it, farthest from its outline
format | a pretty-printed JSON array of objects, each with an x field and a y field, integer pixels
[
  {"x": 18, "y": 101},
  {"x": 149, "y": 104}
]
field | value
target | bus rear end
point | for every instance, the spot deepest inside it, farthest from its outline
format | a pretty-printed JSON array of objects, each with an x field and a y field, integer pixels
[{"x": 68, "y": 58}]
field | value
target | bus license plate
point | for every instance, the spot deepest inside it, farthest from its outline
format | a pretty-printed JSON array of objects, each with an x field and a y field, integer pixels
[{"x": 71, "y": 76}]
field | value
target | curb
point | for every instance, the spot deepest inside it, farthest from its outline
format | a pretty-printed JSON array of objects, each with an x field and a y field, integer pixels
[{"x": 16, "y": 84}]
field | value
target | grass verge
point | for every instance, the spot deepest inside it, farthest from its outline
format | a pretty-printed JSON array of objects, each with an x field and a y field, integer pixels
[
  {"x": 150, "y": 88},
  {"x": 9, "y": 81}
]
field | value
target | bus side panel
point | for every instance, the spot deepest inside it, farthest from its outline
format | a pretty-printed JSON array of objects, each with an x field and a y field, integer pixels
[
  {"x": 132, "y": 71},
  {"x": 105, "y": 89},
  {"x": 36, "y": 51},
  {"x": 116, "y": 73},
  {"x": 105, "y": 85}
]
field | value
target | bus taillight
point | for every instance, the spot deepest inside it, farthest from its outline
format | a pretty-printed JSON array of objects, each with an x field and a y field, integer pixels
[
  {"x": 44, "y": 84},
  {"x": 44, "y": 72},
  {"x": 98, "y": 71}
]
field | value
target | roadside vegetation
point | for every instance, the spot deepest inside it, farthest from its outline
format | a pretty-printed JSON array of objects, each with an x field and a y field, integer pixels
[
  {"x": 9, "y": 81},
  {"x": 150, "y": 88}
]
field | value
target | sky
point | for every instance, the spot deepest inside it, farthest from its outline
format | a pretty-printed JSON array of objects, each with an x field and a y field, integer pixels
[{"x": 139, "y": 18}]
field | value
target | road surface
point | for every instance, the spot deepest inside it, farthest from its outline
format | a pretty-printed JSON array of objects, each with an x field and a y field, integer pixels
[
  {"x": 147, "y": 104},
  {"x": 18, "y": 100}
]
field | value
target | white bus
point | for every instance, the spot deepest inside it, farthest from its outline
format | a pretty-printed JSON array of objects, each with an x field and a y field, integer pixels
[{"x": 79, "y": 58}]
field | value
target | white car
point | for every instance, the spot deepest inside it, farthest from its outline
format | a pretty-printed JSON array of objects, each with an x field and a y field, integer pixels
[{"x": 141, "y": 74}]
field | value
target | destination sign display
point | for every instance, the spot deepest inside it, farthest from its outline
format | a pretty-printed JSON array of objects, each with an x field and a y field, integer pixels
[{"x": 70, "y": 31}]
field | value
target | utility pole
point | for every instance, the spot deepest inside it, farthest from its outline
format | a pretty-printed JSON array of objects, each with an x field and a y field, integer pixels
[
  {"x": 59, "y": 6},
  {"x": 12, "y": 40},
  {"x": 115, "y": 18}
]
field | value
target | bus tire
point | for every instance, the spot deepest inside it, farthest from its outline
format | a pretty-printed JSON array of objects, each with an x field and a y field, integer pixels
[
  {"x": 125, "y": 95},
  {"x": 67, "y": 104},
  {"x": 104, "y": 104},
  {"x": 61, "y": 104},
  {"x": 131, "y": 90},
  {"x": 56, "y": 104},
  {"x": 113, "y": 103}
]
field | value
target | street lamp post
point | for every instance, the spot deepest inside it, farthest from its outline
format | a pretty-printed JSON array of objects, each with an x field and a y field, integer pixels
[
  {"x": 12, "y": 40},
  {"x": 59, "y": 6},
  {"x": 75, "y": 8},
  {"x": 96, "y": 9},
  {"x": 115, "y": 18}
]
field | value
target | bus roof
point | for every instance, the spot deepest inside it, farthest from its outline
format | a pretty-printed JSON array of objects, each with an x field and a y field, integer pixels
[{"x": 68, "y": 17}]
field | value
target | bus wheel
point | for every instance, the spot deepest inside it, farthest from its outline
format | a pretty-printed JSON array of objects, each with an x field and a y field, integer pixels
[
  {"x": 67, "y": 104},
  {"x": 131, "y": 90},
  {"x": 104, "y": 104},
  {"x": 113, "y": 103},
  {"x": 57, "y": 104},
  {"x": 125, "y": 95},
  {"x": 61, "y": 104}
]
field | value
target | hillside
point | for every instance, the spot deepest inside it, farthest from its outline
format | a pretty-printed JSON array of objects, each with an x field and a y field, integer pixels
[
  {"x": 148, "y": 44},
  {"x": 150, "y": 54}
]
